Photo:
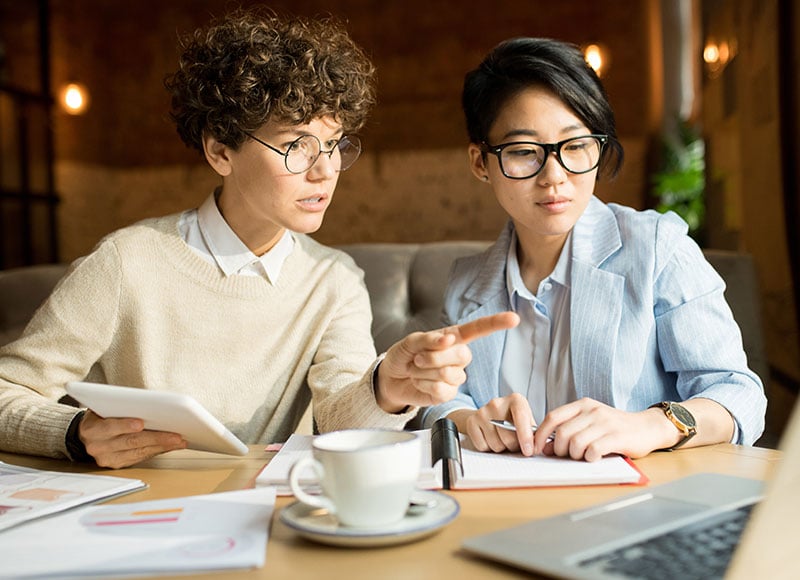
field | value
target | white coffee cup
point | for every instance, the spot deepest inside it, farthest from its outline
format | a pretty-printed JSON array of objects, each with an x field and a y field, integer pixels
[{"x": 367, "y": 476}]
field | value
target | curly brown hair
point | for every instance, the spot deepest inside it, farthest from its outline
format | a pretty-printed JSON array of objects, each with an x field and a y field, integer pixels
[{"x": 252, "y": 67}]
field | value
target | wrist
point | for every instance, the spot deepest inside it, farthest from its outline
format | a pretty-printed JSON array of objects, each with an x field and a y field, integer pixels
[
  {"x": 460, "y": 417},
  {"x": 666, "y": 434},
  {"x": 679, "y": 423},
  {"x": 379, "y": 390},
  {"x": 75, "y": 447}
]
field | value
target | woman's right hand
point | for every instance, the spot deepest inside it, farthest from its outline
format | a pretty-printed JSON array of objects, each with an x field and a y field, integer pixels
[
  {"x": 120, "y": 443},
  {"x": 486, "y": 436}
]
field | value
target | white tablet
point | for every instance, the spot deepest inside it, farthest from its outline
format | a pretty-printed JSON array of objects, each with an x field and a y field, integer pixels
[{"x": 161, "y": 411}]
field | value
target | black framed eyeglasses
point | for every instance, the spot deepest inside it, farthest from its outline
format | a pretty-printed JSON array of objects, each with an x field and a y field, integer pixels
[
  {"x": 304, "y": 151},
  {"x": 526, "y": 159}
]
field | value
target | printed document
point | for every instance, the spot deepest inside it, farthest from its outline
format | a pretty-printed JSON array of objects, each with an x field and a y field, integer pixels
[
  {"x": 27, "y": 494},
  {"x": 218, "y": 531}
]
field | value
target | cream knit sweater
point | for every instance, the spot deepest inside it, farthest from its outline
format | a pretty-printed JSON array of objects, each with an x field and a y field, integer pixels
[{"x": 143, "y": 310}]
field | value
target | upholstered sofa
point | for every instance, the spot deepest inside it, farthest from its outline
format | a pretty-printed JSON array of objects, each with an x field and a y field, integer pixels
[{"x": 406, "y": 283}]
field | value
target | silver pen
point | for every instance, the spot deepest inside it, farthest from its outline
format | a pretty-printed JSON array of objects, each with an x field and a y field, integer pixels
[{"x": 509, "y": 426}]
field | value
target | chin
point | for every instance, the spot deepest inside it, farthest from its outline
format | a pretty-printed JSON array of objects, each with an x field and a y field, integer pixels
[{"x": 307, "y": 228}]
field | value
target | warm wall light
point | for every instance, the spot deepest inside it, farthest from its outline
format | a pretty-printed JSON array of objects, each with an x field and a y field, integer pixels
[
  {"x": 598, "y": 58},
  {"x": 74, "y": 98},
  {"x": 717, "y": 54}
]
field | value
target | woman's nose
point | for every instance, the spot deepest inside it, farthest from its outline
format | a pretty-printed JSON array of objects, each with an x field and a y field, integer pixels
[
  {"x": 324, "y": 167},
  {"x": 553, "y": 171}
]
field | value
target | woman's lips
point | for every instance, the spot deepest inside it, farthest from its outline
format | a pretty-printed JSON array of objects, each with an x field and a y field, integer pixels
[
  {"x": 314, "y": 202},
  {"x": 558, "y": 205}
]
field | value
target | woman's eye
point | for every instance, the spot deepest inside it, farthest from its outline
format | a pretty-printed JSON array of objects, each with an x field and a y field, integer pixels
[
  {"x": 575, "y": 146},
  {"x": 521, "y": 152}
]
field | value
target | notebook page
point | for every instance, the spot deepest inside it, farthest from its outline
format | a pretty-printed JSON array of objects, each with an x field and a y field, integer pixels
[
  {"x": 276, "y": 472},
  {"x": 499, "y": 470}
]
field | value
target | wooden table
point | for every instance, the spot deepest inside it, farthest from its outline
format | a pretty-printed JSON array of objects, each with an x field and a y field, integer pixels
[{"x": 290, "y": 557}]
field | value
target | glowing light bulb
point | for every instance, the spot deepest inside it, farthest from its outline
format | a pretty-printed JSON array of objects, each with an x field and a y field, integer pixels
[
  {"x": 711, "y": 53},
  {"x": 597, "y": 58},
  {"x": 74, "y": 98}
]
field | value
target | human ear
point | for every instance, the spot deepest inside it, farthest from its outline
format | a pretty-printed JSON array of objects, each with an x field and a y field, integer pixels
[
  {"x": 477, "y": 162},
  {"x": 217, "y": 154}
]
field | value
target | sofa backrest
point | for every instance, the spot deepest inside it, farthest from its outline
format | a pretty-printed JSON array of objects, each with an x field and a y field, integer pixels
[{"x": 22, "y": 290}]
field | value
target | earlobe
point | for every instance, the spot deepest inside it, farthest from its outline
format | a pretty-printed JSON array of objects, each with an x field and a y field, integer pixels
[{"x": 217, "y": 155}]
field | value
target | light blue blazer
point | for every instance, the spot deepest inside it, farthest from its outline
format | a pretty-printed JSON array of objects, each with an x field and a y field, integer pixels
[{"x": 649, "y": 321}]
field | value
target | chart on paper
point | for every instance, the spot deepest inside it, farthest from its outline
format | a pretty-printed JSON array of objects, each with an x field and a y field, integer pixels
[{"x": 114, "y": 517}]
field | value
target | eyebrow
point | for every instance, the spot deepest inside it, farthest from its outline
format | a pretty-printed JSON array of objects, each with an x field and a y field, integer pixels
[
  {"x": 294, "y": 132},
  {"x": 533, "y": 134}
]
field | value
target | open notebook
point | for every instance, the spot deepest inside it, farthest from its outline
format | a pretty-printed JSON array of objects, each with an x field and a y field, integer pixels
[
  {"x": 695, "y": 522},
  {"x": 447, "y": 464}
]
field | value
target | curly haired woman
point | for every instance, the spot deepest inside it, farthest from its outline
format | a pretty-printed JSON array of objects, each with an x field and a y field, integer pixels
[{"x": 232, "y": 302}]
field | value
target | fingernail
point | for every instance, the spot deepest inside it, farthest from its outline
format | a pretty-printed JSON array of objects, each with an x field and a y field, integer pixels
[{"x": 527, "y": 449}]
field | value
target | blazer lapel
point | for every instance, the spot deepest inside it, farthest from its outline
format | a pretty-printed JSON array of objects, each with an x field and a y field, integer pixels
[
  {"x": 489, "y": 295},
  {"x": 596, "y": 301},
  {"x": 491, "y": 279}
]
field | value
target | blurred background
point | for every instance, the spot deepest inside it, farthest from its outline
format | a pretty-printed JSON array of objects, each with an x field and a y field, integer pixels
[{"x": 705, "y": 92}]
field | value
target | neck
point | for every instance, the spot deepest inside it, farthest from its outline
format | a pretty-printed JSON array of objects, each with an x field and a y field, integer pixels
[
  {"x": 259, "y": 237},
  {"x": 538, "y": 257}
]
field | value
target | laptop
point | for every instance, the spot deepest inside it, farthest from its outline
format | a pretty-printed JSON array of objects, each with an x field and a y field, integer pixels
[{"x": 701, "y": 526}]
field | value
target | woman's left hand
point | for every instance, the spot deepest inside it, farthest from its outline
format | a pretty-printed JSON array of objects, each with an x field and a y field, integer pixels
[
  {"x": 426, "y": 368},
  {"x": 587, "y": 429}
]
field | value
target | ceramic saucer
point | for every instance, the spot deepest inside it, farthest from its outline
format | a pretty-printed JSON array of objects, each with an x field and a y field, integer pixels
[{"x": 319, "y": 525}]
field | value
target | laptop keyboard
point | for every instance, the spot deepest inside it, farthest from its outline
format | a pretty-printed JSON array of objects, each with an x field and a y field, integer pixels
[{"x": 702, "y": 550}]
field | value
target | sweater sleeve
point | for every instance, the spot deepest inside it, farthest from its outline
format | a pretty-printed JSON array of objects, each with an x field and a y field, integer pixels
[
  {"x": 64, "y": 339},
  {"x": 341, "y": 378}
]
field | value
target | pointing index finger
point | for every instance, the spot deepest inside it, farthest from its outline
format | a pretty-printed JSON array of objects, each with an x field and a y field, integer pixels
[{"x": 484, "y": 326}]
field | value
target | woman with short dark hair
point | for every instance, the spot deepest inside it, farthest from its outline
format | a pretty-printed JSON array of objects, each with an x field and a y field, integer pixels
[{"x": 626, "y": 344}]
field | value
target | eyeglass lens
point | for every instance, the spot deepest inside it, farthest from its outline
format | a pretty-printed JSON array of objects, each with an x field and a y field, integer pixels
[
  {"x": 303, "y": 153},
  {"x": 578, "y": 155}
]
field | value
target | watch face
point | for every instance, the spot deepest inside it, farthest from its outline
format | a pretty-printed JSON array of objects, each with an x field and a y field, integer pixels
[{"x": 682, "y": 415}]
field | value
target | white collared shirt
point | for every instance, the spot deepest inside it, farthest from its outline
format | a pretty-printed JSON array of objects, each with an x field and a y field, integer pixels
[
  {"x": 536, "y": 358},
  {"x": 209, "y": 235}
]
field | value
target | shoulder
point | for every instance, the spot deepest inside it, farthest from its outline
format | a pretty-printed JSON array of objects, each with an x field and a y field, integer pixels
[
  {"x": 478, "y": 279},
  {"x": 320, "y": 256},
  {"x": 488, "y": 263},
  {"x": 647, "y": 224},
  {"x": 160, "y": 231},
  {"x": 656, "y": 247},
  {"x": 648, "y": 232},
  {"x": 138, "y": 248},
  {"x": 468, "y": 267}
]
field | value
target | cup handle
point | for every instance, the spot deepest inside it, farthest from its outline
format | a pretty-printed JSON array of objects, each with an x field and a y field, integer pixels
[{"x": 296, "y": 470}]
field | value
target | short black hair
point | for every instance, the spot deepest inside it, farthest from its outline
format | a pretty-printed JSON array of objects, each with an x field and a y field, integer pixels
[{"x": 520, "y": 63}]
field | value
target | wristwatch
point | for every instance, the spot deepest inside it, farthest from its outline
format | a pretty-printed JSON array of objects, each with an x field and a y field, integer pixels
[{"x": 681, "y": 418}]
